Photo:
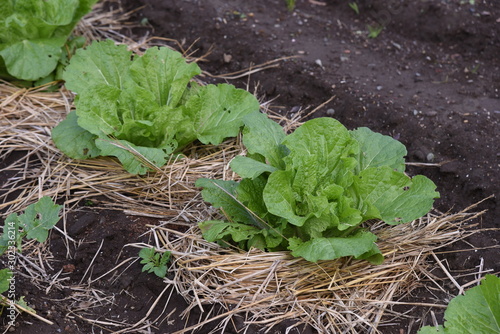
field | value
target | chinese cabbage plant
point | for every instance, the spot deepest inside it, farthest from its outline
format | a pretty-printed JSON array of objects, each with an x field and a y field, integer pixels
[
  {"x": 310, "y": 191},
  {"x": 475, "y": 312},
  {"x": 141, "y": 109},
  {"x": 35, "y": 37}
]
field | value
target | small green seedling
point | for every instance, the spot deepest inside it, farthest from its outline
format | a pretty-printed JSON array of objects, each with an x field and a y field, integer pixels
[
  {"x": 290, "y": 4},
  {"x": 354, "y": 7},
  {"x": 34, "y": 223},
  {"x": 475, "y": 69},
  {"x": 374, "y": 31},
  {"x": 154, "y": 262}
]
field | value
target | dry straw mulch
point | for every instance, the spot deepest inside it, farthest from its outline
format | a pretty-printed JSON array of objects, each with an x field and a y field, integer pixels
[{"x": 343, "y": 296}]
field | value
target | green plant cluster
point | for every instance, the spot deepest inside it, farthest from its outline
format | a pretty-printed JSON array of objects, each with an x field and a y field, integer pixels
[
  {"x": 310, "y": 191},
  {"x": 142, "y": 109},
  {"x": 154, "y": 261}
]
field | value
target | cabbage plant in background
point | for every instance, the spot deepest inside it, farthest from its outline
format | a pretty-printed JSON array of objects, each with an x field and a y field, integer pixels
[
  {"x": 35, "y": 38},
  {"x": 142, "y": 109}
]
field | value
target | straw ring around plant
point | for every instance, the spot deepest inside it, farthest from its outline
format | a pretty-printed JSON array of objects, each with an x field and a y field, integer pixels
[{"x": 332, "y": 296}]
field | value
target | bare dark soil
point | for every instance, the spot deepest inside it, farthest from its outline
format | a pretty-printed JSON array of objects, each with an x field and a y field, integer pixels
[{"x": 431, "y": 78}]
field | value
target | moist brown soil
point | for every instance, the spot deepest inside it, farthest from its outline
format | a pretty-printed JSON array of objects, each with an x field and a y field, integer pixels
[{"x": 431, "y": 78}]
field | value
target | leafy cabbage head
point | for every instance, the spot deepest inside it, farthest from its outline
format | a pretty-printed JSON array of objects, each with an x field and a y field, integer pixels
[
  {"x": 141, "y": 109},
  {"x": 315, "y": 187}
]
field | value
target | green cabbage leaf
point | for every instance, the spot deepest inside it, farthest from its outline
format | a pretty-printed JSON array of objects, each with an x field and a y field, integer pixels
[
  {"x": 35, "y": 37},
  {"x": 475, "y": 312}
]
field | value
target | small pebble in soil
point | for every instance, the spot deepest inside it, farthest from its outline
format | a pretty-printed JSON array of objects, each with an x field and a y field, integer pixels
[
  {"x": 430, "y": 157},
  {"x": 431, "y": 113},
  {"x": 227, "y": 58},
  {"x": 330, "y": 112}
]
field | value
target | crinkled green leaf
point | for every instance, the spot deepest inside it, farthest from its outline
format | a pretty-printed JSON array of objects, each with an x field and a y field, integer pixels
[
  {"x": 55, "y": 12},
  {"x": 398, "y": 198},
  {"x": 39, "y": 218},
  {"x": 348, "y": 214},
  {"x": 316, "y": 226},
  {"x": 135, "y": 159},
  {"x": 32, "y": 59},
  {"x": 73, "y": 140},
  {"x": 355, "y": 245},
  {"x": 100, "y": 64},
  {"x": 378, "y": 150},
  {"x": 98, "y": 111},
  {"x": 19, "y": 21},
  {"x": 264, "y": 136},
  {"x": 214, "y": 230},
  {"x": 165, "y": 73},
  {"x": 332, "y": 180},
  {"x": 475, "y": 312},
  {"x": 323, "y": 142},
  {"x": 216, "y": 113},
  {"x": 321, "y": 151},
  {"x": 249, "y": 192},
  {"x": 249, "y": 168},
  {"x": 144, "y": 122},
  {"x": 280, "y": 198},
  {"x": 33, "y": 32},
  {"x": 221, "y": 194},
  {"x": 118, "y": 130},
  {"x": 320, "y": 156}
]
